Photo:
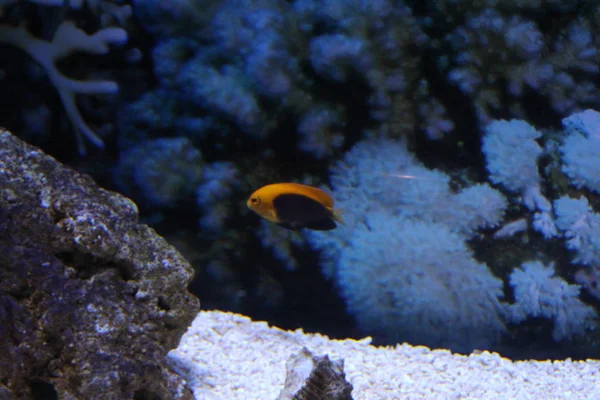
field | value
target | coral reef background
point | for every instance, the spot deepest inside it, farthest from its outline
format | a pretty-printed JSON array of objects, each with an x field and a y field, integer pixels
[{"x": 453, "y": 134}]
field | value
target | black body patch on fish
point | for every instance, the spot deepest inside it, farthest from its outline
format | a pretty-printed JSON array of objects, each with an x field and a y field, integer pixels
[{"x": 297, "y": 211}]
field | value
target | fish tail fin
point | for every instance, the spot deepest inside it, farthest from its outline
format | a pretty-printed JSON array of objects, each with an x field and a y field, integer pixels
[{"x": 336, "y": 215}]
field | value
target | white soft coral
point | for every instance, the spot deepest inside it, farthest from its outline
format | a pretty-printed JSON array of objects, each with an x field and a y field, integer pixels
[{"x": 68, "y": 39}]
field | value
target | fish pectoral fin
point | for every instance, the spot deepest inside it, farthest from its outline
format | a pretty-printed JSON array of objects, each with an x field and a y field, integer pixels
[{"x": 272, "y": 216}]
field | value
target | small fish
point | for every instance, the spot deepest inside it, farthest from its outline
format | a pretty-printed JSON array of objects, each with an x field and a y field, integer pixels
[{"x": 295, "y": 206}]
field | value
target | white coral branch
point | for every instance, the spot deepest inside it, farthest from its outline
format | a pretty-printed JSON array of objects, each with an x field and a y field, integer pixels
[{"x": 68, "y": 39}]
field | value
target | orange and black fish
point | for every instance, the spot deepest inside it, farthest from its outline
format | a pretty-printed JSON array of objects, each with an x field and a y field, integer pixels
[{"x": 295, "y": 206}]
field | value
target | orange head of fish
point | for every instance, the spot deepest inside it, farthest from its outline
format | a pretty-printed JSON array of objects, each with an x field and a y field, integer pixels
[{"x": 262, "y": 206}]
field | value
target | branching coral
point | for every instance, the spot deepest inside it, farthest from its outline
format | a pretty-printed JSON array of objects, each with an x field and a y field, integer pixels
[
  {"x": 539, "y": 293},
  {"x": 159, "y": 172},
  {"x": 379, "y": 42},
  {"x": 401, "y": 261},
  {"x": 265, "y": 68},
  {"x": 69, "y": 39},
  {"x": 498, "y": 52}
]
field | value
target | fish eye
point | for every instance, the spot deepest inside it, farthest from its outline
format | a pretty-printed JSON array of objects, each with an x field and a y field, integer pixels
[{"x": 254, "y": 200}]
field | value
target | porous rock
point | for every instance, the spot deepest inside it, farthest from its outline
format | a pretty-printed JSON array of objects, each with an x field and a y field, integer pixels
[{"x": 90, "y": 300}]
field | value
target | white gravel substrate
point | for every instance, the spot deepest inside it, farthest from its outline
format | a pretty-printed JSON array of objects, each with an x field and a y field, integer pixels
[{"x": 225, "y": 356}]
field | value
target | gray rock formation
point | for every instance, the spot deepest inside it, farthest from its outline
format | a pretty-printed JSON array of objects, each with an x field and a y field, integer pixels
[{"x": 90, "y": 300}]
